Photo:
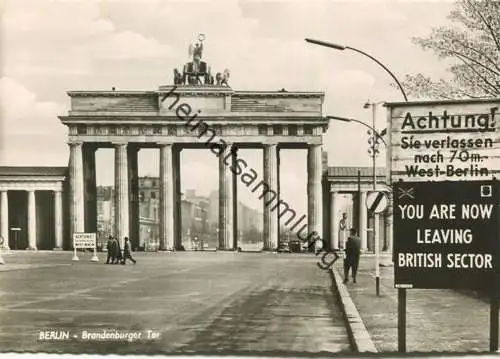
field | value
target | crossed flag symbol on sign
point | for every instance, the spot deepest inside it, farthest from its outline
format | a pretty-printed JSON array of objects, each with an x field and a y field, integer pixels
[{"x": 410, "y": 193}]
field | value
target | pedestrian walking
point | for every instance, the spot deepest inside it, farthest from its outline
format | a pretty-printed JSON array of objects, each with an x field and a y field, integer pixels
[
  {"x": 352, "y": 254},
  {"x": 109, "y": 248},
  {"x": 117, "y": 251},
  {"x": 113, "y": 250},
  {"x": 126, "y": 252}
]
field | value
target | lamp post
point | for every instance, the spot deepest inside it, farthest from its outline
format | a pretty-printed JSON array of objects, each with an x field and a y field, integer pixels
[
  {"x": 401, "y": 291},
  {"x": 373, "y": 151},
  {"x": 373, "y": 141}
]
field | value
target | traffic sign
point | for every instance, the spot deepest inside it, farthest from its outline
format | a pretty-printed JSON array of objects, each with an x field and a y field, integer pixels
[
  {"x": 446, "y": 234},
  {"x": 376, "y": 201}
]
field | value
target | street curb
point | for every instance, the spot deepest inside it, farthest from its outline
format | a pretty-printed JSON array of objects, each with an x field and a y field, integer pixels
[{"x": 356, "y": 330}]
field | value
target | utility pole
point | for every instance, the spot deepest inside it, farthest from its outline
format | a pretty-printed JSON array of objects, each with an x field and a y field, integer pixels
[{"x": 373, "y": 150}]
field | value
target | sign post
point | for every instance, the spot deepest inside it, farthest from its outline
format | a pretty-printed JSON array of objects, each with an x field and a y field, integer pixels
[
  {"x": 376, "y": 202},
  {"x": 445, "y": 165}
]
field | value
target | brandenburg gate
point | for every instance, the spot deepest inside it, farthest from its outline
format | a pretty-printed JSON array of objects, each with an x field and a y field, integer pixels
[{"x": 198, "y": 111}]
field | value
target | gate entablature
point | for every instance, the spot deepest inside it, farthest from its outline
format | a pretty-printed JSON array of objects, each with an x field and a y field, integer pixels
[{"x": 152, "y": 116}]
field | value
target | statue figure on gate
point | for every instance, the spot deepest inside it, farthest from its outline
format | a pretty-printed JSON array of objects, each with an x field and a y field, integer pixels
[{"x": 197, "y": 72}]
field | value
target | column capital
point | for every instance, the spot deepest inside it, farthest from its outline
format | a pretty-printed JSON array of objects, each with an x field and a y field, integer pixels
[
  {"x": 75, "y": 143},
  {"x": 165, "y": 144},
  {"x": 119, "y": 143},
  {"x": 315, "y": 141},
  {"x": 269, "y": 142}
]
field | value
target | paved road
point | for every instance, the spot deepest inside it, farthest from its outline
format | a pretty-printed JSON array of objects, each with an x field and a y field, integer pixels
[{"x": 197, "y": 302}]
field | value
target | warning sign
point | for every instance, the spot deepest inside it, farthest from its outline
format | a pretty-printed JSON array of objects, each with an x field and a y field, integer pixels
[
  {"x": 445, "y": 140},
  {"x": 446, "y": 234},
  {"x": 84, "y": 240}
]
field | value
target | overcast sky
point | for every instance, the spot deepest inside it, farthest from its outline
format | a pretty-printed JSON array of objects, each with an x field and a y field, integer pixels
[{"x": 50, "y": 47}]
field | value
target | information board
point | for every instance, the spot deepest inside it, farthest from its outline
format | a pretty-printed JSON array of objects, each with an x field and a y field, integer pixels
[
  {"x": 446, "y": 234},
  {"x": 84, "y": 240},
  {"x": 445, "y": 140}
]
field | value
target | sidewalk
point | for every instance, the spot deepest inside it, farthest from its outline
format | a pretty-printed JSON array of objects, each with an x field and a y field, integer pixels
[{"x": 436, "y": 320}]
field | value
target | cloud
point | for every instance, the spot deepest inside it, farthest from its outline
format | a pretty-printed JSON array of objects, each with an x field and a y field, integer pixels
[{"x": 31, "y": 132}]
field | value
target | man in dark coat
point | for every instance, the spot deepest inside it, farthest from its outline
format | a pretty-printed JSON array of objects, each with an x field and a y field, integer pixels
[
  {"x": 109, "y": 248},
  {"x": 126, "y": 252},
  {"x": 117, "y": 251},
  {"x": 352, "y": 253}
]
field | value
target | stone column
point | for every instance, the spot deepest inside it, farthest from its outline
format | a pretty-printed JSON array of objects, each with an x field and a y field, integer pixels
[
  {"x": 121, "y": 193},
  {"x": 58, "y": 220},
  {"x": 77, "y": 206},
  {"x": 334, "y": 223},
  {"x": 176, "y": 192},
  {"x": 314, "y": 194},
  {"x": 4, "y": 218},
  {"x": 363, "y": 235},
  {"x": 271, "y": 197},
  {"x": 226, "y": 198},
  {"x": 166, "y": 198},
  {"x": 31, "y": 220},
  {"x": 234, "y": 157}
]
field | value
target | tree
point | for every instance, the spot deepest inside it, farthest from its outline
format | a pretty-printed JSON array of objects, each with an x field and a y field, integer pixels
[{"x": 473, "y": 48}]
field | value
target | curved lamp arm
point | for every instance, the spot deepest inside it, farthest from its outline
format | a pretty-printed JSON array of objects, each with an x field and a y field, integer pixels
[
  {"x": 341, "y": 47},
  {"x": 344, "y": 119}
]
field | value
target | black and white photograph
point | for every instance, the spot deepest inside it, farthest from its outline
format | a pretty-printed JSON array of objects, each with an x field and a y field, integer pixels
[{"x": 258, "y": 178}]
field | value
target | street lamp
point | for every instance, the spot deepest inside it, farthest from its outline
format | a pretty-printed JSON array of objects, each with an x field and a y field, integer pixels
[
  {"x": 379, "y": 135},
  {"x": 341, "y": 47},
  {"x": 373, "y": 150}
]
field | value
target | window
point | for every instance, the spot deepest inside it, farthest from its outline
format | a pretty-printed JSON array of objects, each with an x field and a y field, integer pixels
[
  {"x": 277, "y": 130},
  {"x": 262, "y": 130},
  {"x": 153, "y": 195},
  {"x": 141, "y": 196},
  {"x": 308, "y": 130},
  {"x": 292, "y": 130}
]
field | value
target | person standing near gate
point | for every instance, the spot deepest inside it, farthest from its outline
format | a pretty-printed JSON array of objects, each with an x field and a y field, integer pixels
[
  {"x": 126, "y": 252},
  {"x": 352, "y": 253}
]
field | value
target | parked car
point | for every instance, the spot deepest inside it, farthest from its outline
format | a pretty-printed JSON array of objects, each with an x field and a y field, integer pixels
[{"x": 284, "y": 247}]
